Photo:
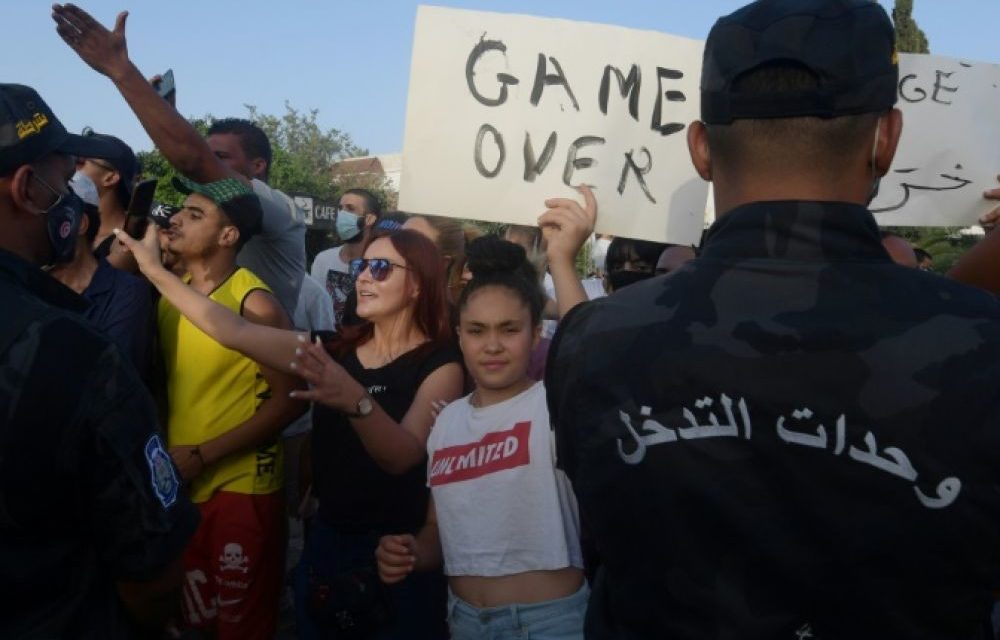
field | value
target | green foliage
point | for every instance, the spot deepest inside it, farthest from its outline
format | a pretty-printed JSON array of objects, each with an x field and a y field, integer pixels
[
  {"x": 945, "y": 244},
  {"x": 154, "y": 165},
  {"x": 909, "y": 37},
  {"x": 304, "y": 153}
]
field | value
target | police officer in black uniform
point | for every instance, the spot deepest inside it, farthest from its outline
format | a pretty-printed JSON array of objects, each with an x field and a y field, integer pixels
[
  {"x": 92, "y": 523},
  {"x": 791, "y": 436}
]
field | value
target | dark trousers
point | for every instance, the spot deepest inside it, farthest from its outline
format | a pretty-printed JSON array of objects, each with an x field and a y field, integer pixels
[{"x": 418, "y": 603}]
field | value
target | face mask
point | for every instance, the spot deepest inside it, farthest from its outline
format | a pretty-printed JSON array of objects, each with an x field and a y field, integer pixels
[
  {"x": 878, "y": 178},
  {"x": 348, "y": 225},
  {"x": 621, "y": 279},
  {"x": 62, "y": 221}
]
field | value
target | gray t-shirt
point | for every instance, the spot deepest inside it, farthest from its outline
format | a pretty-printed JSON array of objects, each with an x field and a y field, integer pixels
[{"x": 277, "y": 255}]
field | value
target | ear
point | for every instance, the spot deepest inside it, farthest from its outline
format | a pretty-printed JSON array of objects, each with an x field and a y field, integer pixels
[
  {"x": 19, "y": 192},
  {"x": 888, "y": 140},
  {"x": 229, "y": 236},
  {"x": 701, "y": 155},
  {"x": 370, "y": 219},
  {"x": 258, "y": 166},
  {"x": 111, "y": 179},
  {"x": 84, "y": 226}
]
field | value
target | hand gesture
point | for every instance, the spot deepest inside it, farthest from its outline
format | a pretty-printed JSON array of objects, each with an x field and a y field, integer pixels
[
  {"x": 329, "y": 383},
  {"x": 396, "y": 558},
  {"x": 105, "y": 51},
  {"x": 146, "y": 251},
  {"x": 990, "y": 220},
  {"x": 566, "y": 225}
]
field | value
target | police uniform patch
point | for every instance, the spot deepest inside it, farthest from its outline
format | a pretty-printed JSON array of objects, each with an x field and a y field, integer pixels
[{"x": 161, "y": 471}]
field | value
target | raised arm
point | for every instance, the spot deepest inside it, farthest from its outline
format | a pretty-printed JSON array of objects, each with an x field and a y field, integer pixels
[
  {"x": 980, "y": 265},
  {"x": 566, "y": 226},
  {"x": 395, "y": 446},
  {"x": 268, "y": 345},
  {"x": 107, "y": 53}
]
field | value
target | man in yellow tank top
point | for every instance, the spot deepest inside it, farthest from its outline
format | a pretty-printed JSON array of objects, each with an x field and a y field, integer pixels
[{"x": 225, "y": 416}]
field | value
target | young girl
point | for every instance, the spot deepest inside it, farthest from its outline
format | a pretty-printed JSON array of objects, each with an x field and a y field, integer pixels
[{"x": 502, "y": 515}]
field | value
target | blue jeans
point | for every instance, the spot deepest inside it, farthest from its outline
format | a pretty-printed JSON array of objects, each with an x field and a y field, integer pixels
[
  {"x": 560, "y": 619},
  {"x": 417, "y": 603}
]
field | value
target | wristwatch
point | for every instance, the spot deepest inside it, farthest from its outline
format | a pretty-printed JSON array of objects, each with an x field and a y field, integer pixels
[{"x": 364, "y": 409}]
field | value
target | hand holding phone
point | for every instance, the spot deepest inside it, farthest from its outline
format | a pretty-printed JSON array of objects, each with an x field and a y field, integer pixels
[
  {"x": 139, "y": 207},
  {"x": 165, "y": 86}
]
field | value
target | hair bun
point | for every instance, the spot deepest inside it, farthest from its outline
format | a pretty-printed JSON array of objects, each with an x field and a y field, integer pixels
[{"x": 491, "y": 255}]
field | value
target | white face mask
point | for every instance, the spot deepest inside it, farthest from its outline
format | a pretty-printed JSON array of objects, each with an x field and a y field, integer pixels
[{"x": 878, "y": 179}]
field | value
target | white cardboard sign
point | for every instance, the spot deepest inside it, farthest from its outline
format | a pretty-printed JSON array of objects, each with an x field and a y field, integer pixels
[
  {"x": 505, "y": 111},
  {"x": 950, "y": 149}
]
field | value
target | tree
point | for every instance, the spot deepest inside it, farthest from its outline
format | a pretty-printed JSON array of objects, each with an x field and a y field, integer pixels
[{"x": 909, "y": 37}]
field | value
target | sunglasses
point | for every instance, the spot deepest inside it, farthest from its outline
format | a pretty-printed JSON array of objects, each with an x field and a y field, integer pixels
[{"x": 380, "y": 268}]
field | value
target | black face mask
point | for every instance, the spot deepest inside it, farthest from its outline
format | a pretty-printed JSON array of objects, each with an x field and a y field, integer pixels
[
  {"x": 62, "y": 221},
  {"x": 621, "y": 279}
]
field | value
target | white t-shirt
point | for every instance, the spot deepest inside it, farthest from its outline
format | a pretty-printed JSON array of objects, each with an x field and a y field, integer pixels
[
  {"x": 314, "y": 312},
  {"x": 334, "y": 274},
  {"x": 277, "y": 255},
  {"x": 502, "y": 506}
]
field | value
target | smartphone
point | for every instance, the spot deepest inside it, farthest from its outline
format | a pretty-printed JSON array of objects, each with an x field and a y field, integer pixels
[
  {"x": 166, "y": 87},
  {"x": 139, "y": 207}
]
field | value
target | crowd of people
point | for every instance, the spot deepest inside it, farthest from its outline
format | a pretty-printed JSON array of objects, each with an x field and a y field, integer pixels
[{"x": 432, "y": 432}]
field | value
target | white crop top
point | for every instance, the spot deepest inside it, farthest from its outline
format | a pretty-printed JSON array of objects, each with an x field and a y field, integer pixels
[{"x": 502, "y": 506}]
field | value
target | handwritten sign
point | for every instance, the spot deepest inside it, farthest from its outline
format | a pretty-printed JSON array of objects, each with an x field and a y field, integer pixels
[
  {"x": 950, "y": 149},
  {"x": 505, "y": 111}
]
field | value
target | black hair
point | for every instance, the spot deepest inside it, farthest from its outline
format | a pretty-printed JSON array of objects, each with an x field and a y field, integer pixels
[
  {"x": 622, "y": 250},
  {"x": 497, "y": 262},
  {"x": 253, "y": 140},
  {"x": 373, "y": 204},
  {"x": 243, "y": 212},
  {"x": 798, "y": 141}
]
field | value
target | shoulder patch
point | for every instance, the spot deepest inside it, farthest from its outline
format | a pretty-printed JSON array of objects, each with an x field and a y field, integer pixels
[{"x": 162, "y": 475}]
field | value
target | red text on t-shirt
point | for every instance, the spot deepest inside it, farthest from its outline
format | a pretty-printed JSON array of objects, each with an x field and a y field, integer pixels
[{"x": 495, "y": 452}]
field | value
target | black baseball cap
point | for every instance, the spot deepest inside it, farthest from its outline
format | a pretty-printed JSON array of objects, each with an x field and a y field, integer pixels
[
  {"x": 120, "y": 156},
  {"x": 848, "y": 45},
  {"x": 29, "y": 130}
]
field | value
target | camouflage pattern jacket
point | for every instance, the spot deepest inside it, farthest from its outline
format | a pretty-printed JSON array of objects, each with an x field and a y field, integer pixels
[
  {"x": 790, "y": 437},
  {"x": 88, "y": 494}
]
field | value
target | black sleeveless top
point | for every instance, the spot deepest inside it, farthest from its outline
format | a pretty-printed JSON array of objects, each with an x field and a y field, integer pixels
[{"x": 354, "y": 493}]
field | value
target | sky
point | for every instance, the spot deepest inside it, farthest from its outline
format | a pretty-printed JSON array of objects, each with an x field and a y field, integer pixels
[{"x": 349, "y": 59}]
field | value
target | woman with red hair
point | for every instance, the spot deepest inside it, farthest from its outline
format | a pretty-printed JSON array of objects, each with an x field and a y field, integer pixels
[{"x": 374, "y": 386}]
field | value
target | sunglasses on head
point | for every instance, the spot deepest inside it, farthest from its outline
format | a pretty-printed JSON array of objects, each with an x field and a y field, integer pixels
[{"x": 380, "y": 268}]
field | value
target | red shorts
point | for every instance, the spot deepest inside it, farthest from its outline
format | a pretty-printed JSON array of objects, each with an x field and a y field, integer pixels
[{"x": 234, "y": 566}]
